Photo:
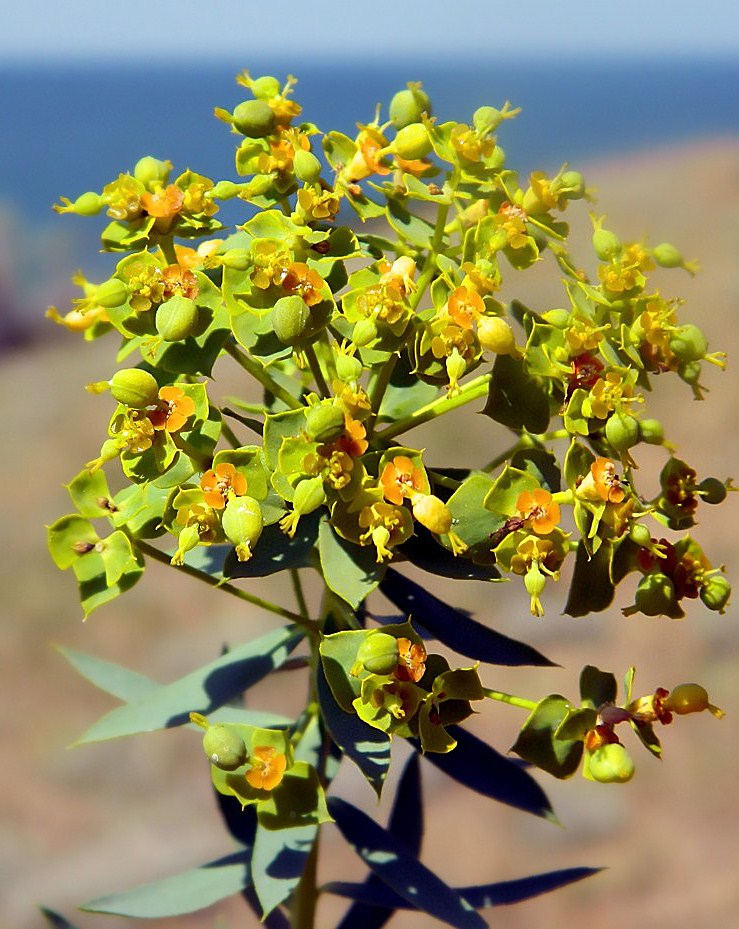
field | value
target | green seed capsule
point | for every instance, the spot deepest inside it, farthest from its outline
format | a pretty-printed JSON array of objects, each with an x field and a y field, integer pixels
[
  {"x": 265, "y": 87},
  {"x": 134, "y": 387},
  {"x": 611, "y": 764},
  {"x": 176, "y": 318},
  {"x": 378, "y": 653},
  {"x": 655, "y": 595},
  {"x": 712, "y": 490},
  {"x": 687, "y": 698},
  {"x": 152, "y": 172},
  {"x": 408, "y": 106},
  {"x": 640, "y": 535},
  {"x": 365, "y": 330},
  {"x": 88, "y": 204},
  {"x": 622, "y": 431},
  {"x": 486, "y": 119},
  {"x": 651, "y": 431},
  {"x": 111, "y": 293},
  {"x": 667, "y": 256},
  {"x": 290, "y": 319},
  {"x": 607, "y": 244},
  {"x": 688, "y": 343},
  {"x": 254, "y": 118},
  {"x": 306, "y": 166},
  {"x": 412, "y": 142},
  {"x": 572, "y": 183},
  {"x": 715, "y": 593},
  {"x": 324, "y": 422},
  {"x": 496, "y": 335},
  {"x": 242, "y": 523},
  {"x": 224, "y": 747},
  {"x": 348, "y": 368},
  {"x": 226, "y": 190}
]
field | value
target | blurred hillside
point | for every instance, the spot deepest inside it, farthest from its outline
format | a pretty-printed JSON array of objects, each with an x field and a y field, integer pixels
[{"x": 81, "y": 822}]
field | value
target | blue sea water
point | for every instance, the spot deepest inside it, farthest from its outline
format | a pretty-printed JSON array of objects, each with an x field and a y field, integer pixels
[{"x": 72, "y": 129}]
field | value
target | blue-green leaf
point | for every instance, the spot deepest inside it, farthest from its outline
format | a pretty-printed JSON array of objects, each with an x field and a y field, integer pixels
[
  {"x": 202, "y": 691},
  {"x": 278, "y": 862},
  {"x": 403, "y": 872},
  {"x": 182, "y": 893},
  {"x": 56, "y": 920},
  {"x": 455, "y": 628},
  {"x": 350, "y": 571},
  {"x": 480, "y": 767},
  {"x": 114, "y": 679}
]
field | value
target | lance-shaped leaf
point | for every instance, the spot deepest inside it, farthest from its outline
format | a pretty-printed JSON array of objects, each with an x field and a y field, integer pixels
[
  {"x": 591, "y": 588},
  {"x": 406, "y": 824},
  {"x": 114, "y": 679},
  {"x": 201, "y": 691},
  {"x": 182, "y": 893},
  {"x": 399, "y": 870},
  {"x": 351, "y": 571},
  {"x": 539, "y": 743},
  {"x": 367, "y": 747},
  {"x": 501, "y": 893},
  {"x": 278, "y": 863},
  {"x": 480, "y": 767},
  {"x": 455, "y": 628}
]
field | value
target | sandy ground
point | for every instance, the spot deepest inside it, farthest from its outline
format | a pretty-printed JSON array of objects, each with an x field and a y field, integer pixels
[{"x": 76, "y": 823}]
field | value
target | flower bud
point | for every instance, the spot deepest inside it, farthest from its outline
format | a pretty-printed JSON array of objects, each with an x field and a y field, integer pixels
[
  {"x": 412, "y": 142},
  {"x": 111, "y": 293},
  {"x": 496, "y": 335},
  {"x": 290, "y": 318},
  {"x": 306, "y": 166},
  {"x": 151, "y": 172},
  {"x": 224, "y": 747},
  {"x": 408, "y": 106},
  {"x": 715, "y": 593},
  {"x": 242, "y": 523},
  {"x": 611, "y": 764},
  {"x": 134, "y": 387},
  {"x": 254, "y": 118},
  {"x": 324, "y": 422},
  {"x": 377, "y": 654},
  {"x": 176, "y": 318}
]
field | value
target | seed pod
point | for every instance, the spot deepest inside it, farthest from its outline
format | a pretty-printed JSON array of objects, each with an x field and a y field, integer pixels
[
  {"x": 433, "y": 513},
  {"x": 348, "y": 368},
  {"x": 412, "y": 142},
  {"x": 134, "y": 387},
  {"x": 687, "y": 698},
  {"x": 655, "y": 595},
  {"x": 378, "y": 653},
  {"x": 265, "y": 87},
  {"x": 290, "y": 318},
  {"x": 640, "y": 535},
  {"x": 715, "y": 593},
  {"x": 486, "y": 119},
  {"x": 237, "y": 258},
  {"x": 611, "y": 764},
  {"x": 254, "y": 118},
  {"x": 88, "y": 204},
  {"x": 224, "y": 747},
  {"x": 226, "y": 190},
  {"x": 688, "y": 343},
  {"x": 667, "y": 256},
  {"x": 111, "y": 293},
  {"x": 324, "y": 422},
  {"x": 306, "y": 166},
  {"x": 607, "y": 244},
  {"x": 242, "y": 523},
  {"x": 572, "y": 183},
  {"x": 651, "y": 431},
  {"x": 496, "y": 335},
  {"x": 408, "y": 106},
  {"x": 712, "y": 490},
  {"x": 622, "y": 431},
  {"x": 151, "y": 172},
  {"x": 176, "y": 318},
  {"x": 365, "y": 330}
]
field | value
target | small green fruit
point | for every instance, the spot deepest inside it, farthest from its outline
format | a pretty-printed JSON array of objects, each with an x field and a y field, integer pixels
[
  {"x": 88, "y": 204},
  {"x": 607, "y": 244},
  {"x": 687, "y": 698},
  {"x": 651, "y": 431},
  {"x": 290, "y": 319},
  {"x": 378, "y": 653},
  {"x": 412, "y": 142},
  {"x": 111, "y": 293},
  {"x": 667, "y": 256},
  {"x": 655, "y": 595},
  {"x": 715, "y": 593},
  {"x": 486, "y": 119},
  {"x": 265, "y": 87},
  {"x": 134, "y": 387},
  {"x": 688, "y": 343},
  {"x": 496, "y": 335},
  {"x": 348, "y": 368},
  {"x": 408, "y": 106},
  {"x": 176, "y": 318},
  {"x": 254, "y": 118},
  {"x": 324, "y": 422},
  {"x": 622, "y": 431},
  {"x": 224, "y": 747},
  {"x": 242, "y": 523},
  {"x": 306, "y": 166},
  {"x": 151, "y": 171},
  {"x": 611, "y": 764},
  {"x": 712, "y": 490}
]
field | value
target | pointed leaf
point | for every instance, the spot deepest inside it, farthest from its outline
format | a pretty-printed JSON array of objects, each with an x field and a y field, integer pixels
[
  {"x": 591, "y": 588},
  {"x": 278, "y": 862},
  {"x": 56, "y": 920},
  {"x": 201, "y": 691},
  {"x": 516, "y": 398},
  {"x": 426, "y": 553},
  {"x": 367, "y": 747},
  {"x": 114, "y": 679},
  {"x": 404, "y": 873},
  {"x": 182, "y": 893},
  {"x": 350, "y": 571},
  {"x": 538, "y": 744},
  {"x": 455, "y": 628},
  {"x": 480, "y": 767},
  {"x": 597, "y": 687}
]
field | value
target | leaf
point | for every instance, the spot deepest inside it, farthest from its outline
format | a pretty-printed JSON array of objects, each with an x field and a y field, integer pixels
[
  {"x": 403, "y": 872},
  {"x": 597, "y": 687},
  {"x": 200, "y": 691},
  {"x": 501, "y": 893},
  {"x": 591, "y": 588},
  {"x": 455, "y": 628},
  {"x": 538, "y": 744},
  {"x": 409, "y": 226},
  {"x": 56, "y": 920},
  {"x": 114, "y": 679},
  {"x": 366, "y": 746},
  {"x": 275, "y": 551},
  {"x": 278, "y": 863},
  {"x": 473, "y": 523},
  {"x": 480, "y": 767},
  {"x": 517, "y": 399},
  {"x": 182, "y": 893},
  {"x": 350, "y": 571}
]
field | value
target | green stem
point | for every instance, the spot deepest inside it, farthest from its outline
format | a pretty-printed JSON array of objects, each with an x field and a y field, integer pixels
[
  {"x": 305, "y": 898},
  {"x": 229, "y": 434},
  {"x": 168, "y": 250},
  {"x": 429, "y": 267},
  {"x": 378, "y": 390},
  {"x": 315, "y": 366},
  {"x": 258, "y": 371},
  {"x": 510, "y": 699},
  {"x": 298, "y": 591},
  {"x": 472, "y": 390},
  {"x": 152, "y": 552}
]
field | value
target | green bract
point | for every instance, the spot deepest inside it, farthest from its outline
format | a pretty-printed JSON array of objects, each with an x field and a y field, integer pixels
[{"x": 345, "y": 338}]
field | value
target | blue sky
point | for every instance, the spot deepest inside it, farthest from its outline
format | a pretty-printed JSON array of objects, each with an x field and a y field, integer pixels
[{"x": 83, "y": 30}]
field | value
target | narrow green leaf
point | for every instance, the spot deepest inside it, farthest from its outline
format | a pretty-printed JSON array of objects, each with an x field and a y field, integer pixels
[
  {"x": 182, "y": 893},
  {"x": 591, "y": 588},
  {"x": 56, "y": 920},
  {"x": 114, "y": 679},
  {"x": 278, "y": 862},
  {"x": 202, "y": 691}
]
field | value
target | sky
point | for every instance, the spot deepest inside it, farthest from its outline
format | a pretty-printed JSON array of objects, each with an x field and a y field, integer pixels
[{"x": 88, "y": 30}]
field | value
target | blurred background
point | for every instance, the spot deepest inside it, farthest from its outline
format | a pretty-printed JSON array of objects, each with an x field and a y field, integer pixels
[{"x": 645, "y": 101}]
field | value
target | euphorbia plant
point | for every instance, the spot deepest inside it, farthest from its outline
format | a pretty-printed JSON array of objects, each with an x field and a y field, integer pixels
[{"x": 357, "y": 332}]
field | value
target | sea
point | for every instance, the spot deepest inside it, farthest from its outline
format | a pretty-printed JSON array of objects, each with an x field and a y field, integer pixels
[{"x": 68, "y": 129}]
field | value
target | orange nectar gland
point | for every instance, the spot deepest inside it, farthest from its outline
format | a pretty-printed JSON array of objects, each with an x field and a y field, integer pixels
[
  {"x": 602, "y": 483},
  {"x": 173, "y": 410},
  {"x": 267, "y": 768},
  {"x": 411, "y": 661},
  {"x": 539, "y": 510},
  {"x": 386, "y": 525},
  {"x": 218, "y": 482}
]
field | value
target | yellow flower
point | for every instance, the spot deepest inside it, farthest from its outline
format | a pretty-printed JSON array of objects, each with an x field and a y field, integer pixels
[
  {"x": 267, "y": 768},
  {"x": 539, "y": 510}
]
